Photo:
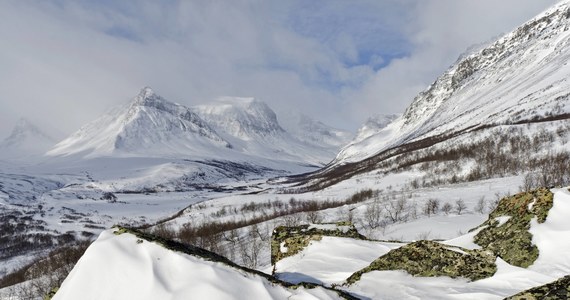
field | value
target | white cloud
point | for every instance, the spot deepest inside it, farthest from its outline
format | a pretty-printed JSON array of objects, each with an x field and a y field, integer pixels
[
  {"x": 439, "y": 33},
  {"x": 65, "y": 62}
]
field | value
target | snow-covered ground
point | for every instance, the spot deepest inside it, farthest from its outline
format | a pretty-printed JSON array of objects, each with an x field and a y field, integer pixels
[
  {"x": 331, "y": 260},
  {"x": 124, "y": 267}
]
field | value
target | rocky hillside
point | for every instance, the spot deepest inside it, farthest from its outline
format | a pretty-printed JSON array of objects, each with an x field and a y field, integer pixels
[
  {"x": 522, "y": 243},
  {"x": 519, "y": 80}
]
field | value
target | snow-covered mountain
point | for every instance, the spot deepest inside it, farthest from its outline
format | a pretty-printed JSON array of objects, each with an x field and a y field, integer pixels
[
  {"x": 25, "y": 140},
  {"x": 243, "y": 118},
  {"x": 520, "y": 77},
  {"x": 252, "y": 127},
  {"x": 237, "y": 129},
  {"x": 312, "y": 131},
  {"x": 149, "y": 125},
  {"x": 372, "y": 126}
]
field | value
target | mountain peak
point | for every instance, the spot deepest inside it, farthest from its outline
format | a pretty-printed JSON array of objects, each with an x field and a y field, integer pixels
[
  {"x": 241, "y": 117},
  {"x": 150, "y": 125},
  {"x": 146, "y": 92}
]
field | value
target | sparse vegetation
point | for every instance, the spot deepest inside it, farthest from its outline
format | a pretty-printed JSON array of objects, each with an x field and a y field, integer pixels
[
  {"x": 43, "y": 276},
  {"x": 500, "y": 150}
]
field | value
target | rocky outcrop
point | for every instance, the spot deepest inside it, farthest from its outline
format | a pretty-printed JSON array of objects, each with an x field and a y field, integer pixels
[
  {"x": 511, "y": 239},
  {"x": 288, "y": 241},
  {"x": 430, "y": 259},
  {"x": 557, "y": 290}
]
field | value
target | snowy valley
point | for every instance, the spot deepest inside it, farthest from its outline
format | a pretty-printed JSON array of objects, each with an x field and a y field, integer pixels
[{"x": 464, "y": 196}]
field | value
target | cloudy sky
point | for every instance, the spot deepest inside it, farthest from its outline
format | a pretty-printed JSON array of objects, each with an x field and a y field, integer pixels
[{"x": 62, "y": 63}]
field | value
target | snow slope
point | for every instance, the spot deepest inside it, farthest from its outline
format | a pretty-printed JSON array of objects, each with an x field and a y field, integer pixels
[
  {"x": 124, "y": 267},
  {"x": 328, "y": 260},
  {"x": 522, "y": 76},
  {"x": 325, "y": 261}
]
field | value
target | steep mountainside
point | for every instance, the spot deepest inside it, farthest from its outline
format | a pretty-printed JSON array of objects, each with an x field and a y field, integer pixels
[{"x": 522, "y": 78}]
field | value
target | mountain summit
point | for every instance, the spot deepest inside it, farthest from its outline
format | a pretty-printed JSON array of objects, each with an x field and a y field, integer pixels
[
  {"x": 244, "y": 118},
  {"x": 148, "y": 125}
]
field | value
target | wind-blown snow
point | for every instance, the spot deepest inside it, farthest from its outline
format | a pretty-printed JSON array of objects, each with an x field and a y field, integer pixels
[
  {"x": 122, "y": 267},
  {"x": 330, "y": 260}
]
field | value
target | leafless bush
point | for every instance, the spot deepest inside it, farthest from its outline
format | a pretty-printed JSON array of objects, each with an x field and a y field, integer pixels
[
  {"x": 481, "y": 204},
  {"x": 424, "y": 235},
  {"x": 396, "y": 210},
  {"x": 460, "y": 206},
  {"x": 431, "y": 207},
  {"x": 313, "y": 217},
  {"x": 446, "y": 208},
  {"x": 529, "y": 182},
  {"x": 251, "y": 247},
  {"x": 373, "y": 214}
]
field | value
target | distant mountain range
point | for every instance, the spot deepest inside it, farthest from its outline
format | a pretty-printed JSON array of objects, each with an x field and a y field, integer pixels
[{"x": 229, "y": 129}]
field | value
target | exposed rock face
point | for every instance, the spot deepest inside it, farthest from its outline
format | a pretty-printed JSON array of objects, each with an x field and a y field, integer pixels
[
  {"x": 557, "y": 290},
  {"x": 505, "y": 234},
  {"x": 288, "y": 241},
  {"x": 511, "y": 240},
  {"x": 430, "y": 259}
]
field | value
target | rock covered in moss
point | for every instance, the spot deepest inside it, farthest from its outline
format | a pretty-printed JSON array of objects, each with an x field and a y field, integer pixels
[
  {"x": 430, "y": 259},
  {"x": 288, "y": 241},
  {"x": 557, "y": 290},
  {"x": 511, "y": 239}
]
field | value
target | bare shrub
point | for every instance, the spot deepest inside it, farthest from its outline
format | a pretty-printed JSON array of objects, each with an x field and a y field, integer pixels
[
  {"x": 431, "y": 207},
  {"x": 446, "y": 208},
  {"x": 313, "y": 217},
  {"x": 396, "y": 210},
  {"x": 481, "y": 204},
  {"x": 460, "y": 206},
  {"x": 373, "y": 214}
]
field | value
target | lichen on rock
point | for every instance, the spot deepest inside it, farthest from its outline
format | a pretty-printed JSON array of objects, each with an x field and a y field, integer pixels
[
  {"x": 557, "y": 290},
  {"x": 430, "y": 259},
  {"x": 512, "y": 241},
  {"x": 296, "y": 238}
]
